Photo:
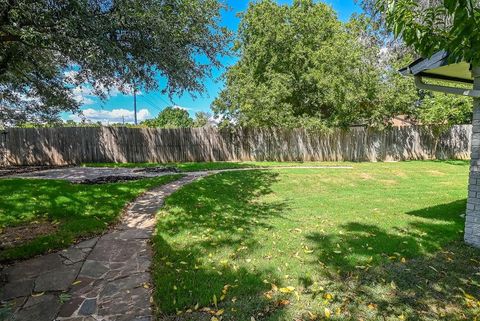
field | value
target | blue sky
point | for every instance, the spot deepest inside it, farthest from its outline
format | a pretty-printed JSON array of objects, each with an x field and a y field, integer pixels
[{"x": 120, "y": 107}]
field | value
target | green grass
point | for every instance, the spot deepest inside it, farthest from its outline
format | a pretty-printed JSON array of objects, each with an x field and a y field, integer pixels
[
  {"x": 78, "y": 210},
  {"x": 381, "y": 241},
  {"x": 206, "y": 166}
]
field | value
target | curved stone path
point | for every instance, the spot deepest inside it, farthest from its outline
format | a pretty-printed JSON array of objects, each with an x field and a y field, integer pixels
[{"x": 103, "y": 278}]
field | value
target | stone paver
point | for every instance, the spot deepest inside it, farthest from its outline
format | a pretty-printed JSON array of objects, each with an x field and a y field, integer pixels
[{"x": 104, "y": 278}]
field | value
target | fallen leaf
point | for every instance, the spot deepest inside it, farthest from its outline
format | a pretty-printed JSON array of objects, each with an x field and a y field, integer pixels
[
  {"x": 327, "y": 313},
  {"x": 288, "y": 289}
]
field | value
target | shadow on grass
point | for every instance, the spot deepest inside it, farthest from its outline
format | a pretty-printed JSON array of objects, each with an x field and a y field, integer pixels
[
  {"x": 363, "y": 245},
  {"x": 195, "y": 231},
  {"x": 421, "y": 272},
  {"x": 443, "y": 286}
]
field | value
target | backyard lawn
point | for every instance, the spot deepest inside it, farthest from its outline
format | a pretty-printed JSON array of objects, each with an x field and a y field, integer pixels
[
  {"x": 380, "y": 241},
  {"x": 39, "y": 215}
]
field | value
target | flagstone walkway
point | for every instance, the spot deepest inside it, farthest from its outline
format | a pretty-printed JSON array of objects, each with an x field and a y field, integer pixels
[{"x": 104, "y": 278}]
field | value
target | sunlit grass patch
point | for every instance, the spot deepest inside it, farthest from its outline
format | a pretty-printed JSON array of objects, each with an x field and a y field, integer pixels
[{"x": 309, "y": 244}]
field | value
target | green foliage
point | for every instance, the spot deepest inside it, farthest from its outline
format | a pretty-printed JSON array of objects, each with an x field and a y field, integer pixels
[
  {"x": 202, "y": 119},
  {"x": 445, "y": 110},
  {"x": 170, "y": 117},
  {"x": 430, "y": 26},
  {"x": 77, "y": 210},
  {"x": 102, "y": 44},
  {"x": 300, "y": 66}
]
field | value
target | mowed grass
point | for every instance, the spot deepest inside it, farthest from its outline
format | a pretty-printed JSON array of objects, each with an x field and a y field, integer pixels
[
  {"x": 76, "y": 210},
  {"x": 208, "y": 166},
  {"x": 381, "y": 241}
]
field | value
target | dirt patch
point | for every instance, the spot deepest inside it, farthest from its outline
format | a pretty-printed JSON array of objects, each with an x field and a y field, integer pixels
[
  {"x": 388, "y": 182},
  {"x": 157, "y": 169},
  {"x": 109, "y": 179},
  {"x": 400, "y": 174},
  {"x": 124, "y": 178},
  {"x": 17, "y": 235},
  {"x": 15, "y": 170},
  {"x": 366, "y": 176},
  {"x": 436, "y": 173}
]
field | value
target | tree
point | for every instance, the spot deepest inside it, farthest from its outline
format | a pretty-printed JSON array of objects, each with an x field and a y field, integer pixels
[
  {"x": 430, "y": 26},
  {"x": 202, "y": 119},
  {"x": 299, "y": 66},
  {"x": 445, "y": 110},
  {"x": 170, "y": 117},
  {"x": 47, "y": 48}
]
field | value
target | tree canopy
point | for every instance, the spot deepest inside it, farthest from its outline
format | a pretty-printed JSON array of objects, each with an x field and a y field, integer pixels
[
  {"x": 299, "y": 66},
  {"x": 170, "y": 117},
  {"x": 47, "y": 48}
]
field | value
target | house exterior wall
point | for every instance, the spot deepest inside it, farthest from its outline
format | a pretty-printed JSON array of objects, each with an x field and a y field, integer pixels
[{"x": 472, "y": 223}]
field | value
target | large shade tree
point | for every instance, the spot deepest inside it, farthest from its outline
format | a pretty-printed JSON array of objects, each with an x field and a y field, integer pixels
[
  {"x": 298, "y": 66},
  {"x": 49, "y": 47}
]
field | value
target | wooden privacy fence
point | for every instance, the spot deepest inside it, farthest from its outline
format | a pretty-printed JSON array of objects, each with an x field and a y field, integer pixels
[{"x": 61, "y": 146}]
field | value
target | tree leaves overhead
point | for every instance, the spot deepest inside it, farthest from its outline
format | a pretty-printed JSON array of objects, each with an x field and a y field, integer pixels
[
  {"x": 104, "y": 43},
  {"x": 430, "y": 26}
]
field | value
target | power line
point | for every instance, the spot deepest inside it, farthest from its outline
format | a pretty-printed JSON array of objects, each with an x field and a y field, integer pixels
[
  {"x": 161, "y": 98},
  {"x": 152, "y": 105}
]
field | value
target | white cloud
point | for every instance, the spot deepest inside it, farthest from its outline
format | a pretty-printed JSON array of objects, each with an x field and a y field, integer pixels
[
  {"x": 84, "y": 94},
  {"x": 111, "y": 116},
  {"x": 180, "y": 107}
]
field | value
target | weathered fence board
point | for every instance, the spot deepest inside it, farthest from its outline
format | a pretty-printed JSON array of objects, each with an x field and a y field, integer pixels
[{"x": 60, "y": 146}]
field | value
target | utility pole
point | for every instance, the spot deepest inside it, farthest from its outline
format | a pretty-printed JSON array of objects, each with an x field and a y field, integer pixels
[{"x": 135, "y": 104}]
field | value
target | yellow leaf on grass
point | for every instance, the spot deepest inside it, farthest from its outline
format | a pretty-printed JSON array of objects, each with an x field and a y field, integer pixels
[
  {"x": 393, "y": 285},
  {"x": 214, "y": 319},
  {"x": 470, "y": 297},
  {"x": 215, "y": 300},
  {"x": 274, "y": 288},
  {"x": 288, "y": 289},
  {"x": 328, "y": 296},
  {"x": 328, "y": 313}
]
